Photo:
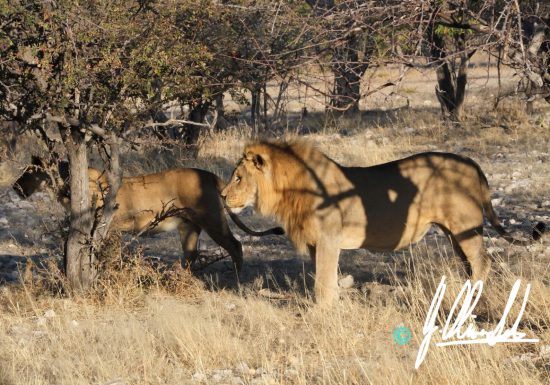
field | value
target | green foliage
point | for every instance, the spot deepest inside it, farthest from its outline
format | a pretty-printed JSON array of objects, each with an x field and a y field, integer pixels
[
  {"x": 445, "y": 31},
  {"x": 116, "y": 63}
]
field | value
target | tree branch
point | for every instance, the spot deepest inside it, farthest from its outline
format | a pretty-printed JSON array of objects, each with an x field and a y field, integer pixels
[{"x": 171, "y": 122}]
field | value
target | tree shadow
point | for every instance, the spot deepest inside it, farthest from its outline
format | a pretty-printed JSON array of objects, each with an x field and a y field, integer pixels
[
  {"x": 295, "y": 274},
  {"x": 315, "y": 122},
  {"x": 13, "y": 266}
]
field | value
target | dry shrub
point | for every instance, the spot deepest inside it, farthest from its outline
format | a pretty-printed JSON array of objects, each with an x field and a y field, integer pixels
[
  {"x": 227, "y": 144},
  {"x": 122, "y": 281},
  {"x": 127, "y": 280}
]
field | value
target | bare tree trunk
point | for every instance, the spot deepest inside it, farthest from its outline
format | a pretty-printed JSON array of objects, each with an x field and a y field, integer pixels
[
  {"x": 349, "y": 62},
  {"x": 255, "y": 109},
  {"x": 192, "y": 131},
  {"x": 80, "y": 263},
  {"x": 348, "y": 70},
  {"x": 161, "y": 132},
  {"x": 451, "y": 85},
  {"x": 221, "y": 122},
  {"x": 277, "y": 110},
  {"x": 89, "y": 225},
  {"x": 264, "y": 90},
  {"x": 114, "y": 178}
]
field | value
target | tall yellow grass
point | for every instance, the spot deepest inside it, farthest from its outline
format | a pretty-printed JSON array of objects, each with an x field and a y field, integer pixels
[{"x": 139, "y": 330}]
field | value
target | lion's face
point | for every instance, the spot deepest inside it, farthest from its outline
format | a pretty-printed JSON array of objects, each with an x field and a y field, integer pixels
[{"x": 242, "y": 189}]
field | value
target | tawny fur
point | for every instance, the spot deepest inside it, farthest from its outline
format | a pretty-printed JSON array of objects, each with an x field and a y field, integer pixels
[
  {"x": 141, "y": 198},
  {"x": 289, "y": 197},
  {"x": 325, "y": 207}
]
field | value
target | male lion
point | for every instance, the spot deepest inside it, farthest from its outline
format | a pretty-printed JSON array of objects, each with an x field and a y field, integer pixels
[
  {"x": 325, "y": 207},
  {"x": 140, "y": 199}
]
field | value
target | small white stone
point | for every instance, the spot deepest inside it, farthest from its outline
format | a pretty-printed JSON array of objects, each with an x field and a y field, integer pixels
[
  {"x": 242, "y": 367},
  {"x": 49, "y": 313},
  {"x": 41, "y": 321},
  {"x": 74, "y": 323},
  {"x": 346, "y": 282},
  {"x": 198, "y": 376},
  {"x": 230, "y": 306}
]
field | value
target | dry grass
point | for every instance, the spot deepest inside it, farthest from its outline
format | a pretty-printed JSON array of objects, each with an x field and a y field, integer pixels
[{"x": 154, "y": 333}]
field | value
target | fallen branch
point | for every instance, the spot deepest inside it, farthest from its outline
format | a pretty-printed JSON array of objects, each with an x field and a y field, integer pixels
[
  {"x": 272, "y": 295},
  {"x": 168, "y": 210},
  {"x": 198, "y": 267},
  {"x": 171, "y": 122}
]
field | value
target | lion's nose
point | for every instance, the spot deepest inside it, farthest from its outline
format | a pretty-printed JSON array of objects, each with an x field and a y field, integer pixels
[{"x": 223, "y": 194}]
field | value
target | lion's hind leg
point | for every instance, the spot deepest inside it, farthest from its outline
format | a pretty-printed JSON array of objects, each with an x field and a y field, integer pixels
[
  {"x": 468, "y": 244},
  {"x": 219, "y": 231},
  {"x": 189, "y": 237}
]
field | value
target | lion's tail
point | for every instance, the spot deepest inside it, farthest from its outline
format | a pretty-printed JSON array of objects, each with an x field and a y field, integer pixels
[
  {"x": 234, "y": 217},
  {"x": 492, "y": 216}
]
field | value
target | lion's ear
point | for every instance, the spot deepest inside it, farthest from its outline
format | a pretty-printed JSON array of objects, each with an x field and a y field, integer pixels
[{"x": 259, "y": 161}]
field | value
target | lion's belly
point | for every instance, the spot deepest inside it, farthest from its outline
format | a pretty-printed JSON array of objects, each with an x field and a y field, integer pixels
[
  {"x": 134, "y": 215},
  {"x": 353, "y": 240},
  {"x": 384, "y": 229},
  {"x": 136, "y": 223},
  {"x": 354, "y": 222}
]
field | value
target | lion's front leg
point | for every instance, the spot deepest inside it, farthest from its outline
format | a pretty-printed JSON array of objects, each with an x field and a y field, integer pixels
[{"x": 326, "y": 272}]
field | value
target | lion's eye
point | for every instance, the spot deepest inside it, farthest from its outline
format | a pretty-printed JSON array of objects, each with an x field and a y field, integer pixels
[{"x": 237, "y": 179}]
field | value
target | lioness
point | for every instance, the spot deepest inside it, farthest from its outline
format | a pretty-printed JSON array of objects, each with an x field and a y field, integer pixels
[
  {"x": 325, "y": 207},
  {"x": 141, "y": 198}
]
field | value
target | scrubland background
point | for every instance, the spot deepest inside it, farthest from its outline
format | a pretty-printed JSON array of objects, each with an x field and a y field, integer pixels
[{"x": 150, "y": 322}]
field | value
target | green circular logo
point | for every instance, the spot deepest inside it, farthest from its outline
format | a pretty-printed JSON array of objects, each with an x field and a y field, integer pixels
[{"x": 402, "y": 335}]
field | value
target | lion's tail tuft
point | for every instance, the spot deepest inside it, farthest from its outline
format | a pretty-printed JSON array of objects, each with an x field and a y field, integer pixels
[{"x": 539, "y": 230}]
